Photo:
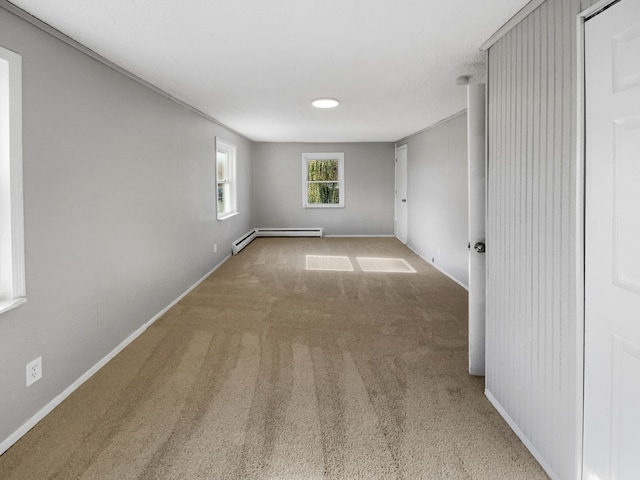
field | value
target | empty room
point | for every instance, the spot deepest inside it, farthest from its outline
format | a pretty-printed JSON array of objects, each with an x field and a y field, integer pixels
[{"x": 304, "y": 240}]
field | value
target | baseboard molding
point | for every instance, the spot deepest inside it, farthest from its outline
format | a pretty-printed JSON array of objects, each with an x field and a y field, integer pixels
[
  {"x": 438, "y": 268},
  {"x": 523, "y": 438},
  {"x": 252, "y": 234},
  {"x": 20, "y": 432},
  {"x": 290, "y": 232},
  {"x": 359, "y": 236}
]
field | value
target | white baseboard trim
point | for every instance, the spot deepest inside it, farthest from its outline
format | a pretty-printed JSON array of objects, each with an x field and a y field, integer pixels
[
  {"x": 290, "y": 232},
  {"x": 523, "y": 438},
  {"x": 252, "y": 234},
  {"x": 438, "y": 268},
  {"x": 20, "y": 432},
  {"x": 359, "y": 236}
]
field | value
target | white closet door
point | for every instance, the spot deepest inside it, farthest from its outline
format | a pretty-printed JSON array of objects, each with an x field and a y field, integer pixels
[{"x": 612, "y": 308}]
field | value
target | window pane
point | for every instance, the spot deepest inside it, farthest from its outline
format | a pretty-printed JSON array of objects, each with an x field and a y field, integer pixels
[
  {"x": 322, "y": 170},
  {"x": 223, "y": 197},
  {"x": 226, "y": 187},
  {"x": 221, "y": 160},
  {"x": 323, "y": 193}
]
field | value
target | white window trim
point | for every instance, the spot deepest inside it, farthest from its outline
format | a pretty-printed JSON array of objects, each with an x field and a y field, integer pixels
[
  {"x": 231, "y": 150},
  {"x": 323, "y": 156},
  {"x": 12, "y": 266}
]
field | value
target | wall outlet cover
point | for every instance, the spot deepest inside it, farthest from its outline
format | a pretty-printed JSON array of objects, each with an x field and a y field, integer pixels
[{"x": 34, "y": 371}]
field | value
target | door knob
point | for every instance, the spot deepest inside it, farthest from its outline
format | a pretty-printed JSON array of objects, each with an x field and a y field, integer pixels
[
  {"x": 404, "y": 200},
  {"x": 479, "y": 247}
]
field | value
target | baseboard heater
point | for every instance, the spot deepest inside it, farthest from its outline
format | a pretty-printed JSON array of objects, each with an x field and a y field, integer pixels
[{"x": 248, "y": 237}]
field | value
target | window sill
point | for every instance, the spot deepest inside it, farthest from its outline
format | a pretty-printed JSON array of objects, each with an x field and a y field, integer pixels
[
  {"x": 323, "y": 206},
  {"x": 11, "y": 304},
  {"x": 228, "y": 215}
]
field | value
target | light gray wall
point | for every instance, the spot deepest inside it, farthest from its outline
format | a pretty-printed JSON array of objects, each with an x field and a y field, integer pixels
[
  {"x": 369, "y": 191},
  {"x": 533, "y": 329},
  {"x": 437, "y": 196},
  {"x": 120, "y": 215}
]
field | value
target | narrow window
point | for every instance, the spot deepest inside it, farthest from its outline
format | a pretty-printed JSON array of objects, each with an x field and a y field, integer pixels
[
  {"x": 225, "y": 179},
  {"x": 322, "y": 180},
  {"x": 12, "y": 281}
]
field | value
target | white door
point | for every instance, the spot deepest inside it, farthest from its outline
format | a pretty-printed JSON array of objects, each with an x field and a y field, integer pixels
[
  {"x": 401, "y": 194},
  {"x": 477, "y": 289},
  {"x": 612, "y": 243}
]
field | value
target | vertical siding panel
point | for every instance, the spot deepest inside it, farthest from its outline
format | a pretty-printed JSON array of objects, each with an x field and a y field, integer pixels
[
  {"x": 505, "y": 334},
  {"x": 493, "y": 163},
  {"x": 494, "y": 158},
  {"x": 492, "y": 137},
  {"x": 504, "y": 228},
  {"x": 532, "y": 253},
  {"x": 513, "y": 201},
  {"x": 569, "y": 366},
  {"x": 531, "y": 287},
  {"x": 531, "y": 227},
  {"x": 514, "y": 225},
  {"x": 536, "y": 179},
  {"x": 524, "y": 249},
  {"x": 543, "y": 192},
  {"x": 555, "y": 178},
  {"x": 504, "y": 232},
  {"x": 557, "y": 211},
  {"x": 518, "y": 221},
  {"x": 508, "y": 214},
  {"x": 549, "y": 160},
  {"x": 498, "y": 150}
]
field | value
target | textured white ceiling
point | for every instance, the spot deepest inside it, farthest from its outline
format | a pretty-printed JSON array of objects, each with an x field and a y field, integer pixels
[{"x": 255, "y": 65}]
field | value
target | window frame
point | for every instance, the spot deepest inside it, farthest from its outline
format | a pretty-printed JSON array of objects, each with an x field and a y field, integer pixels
[
  {"x": 12, "y": 264},
  {"x": 222, "y": 146},
  {"x": 306, "y": 157}
]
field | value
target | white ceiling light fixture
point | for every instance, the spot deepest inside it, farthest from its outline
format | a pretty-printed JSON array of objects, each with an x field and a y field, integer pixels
[{"x": 325, "y": 102}]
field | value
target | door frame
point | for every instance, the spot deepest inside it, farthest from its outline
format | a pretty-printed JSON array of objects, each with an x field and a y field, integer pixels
[
  {"x": 395, "y": 188},
  {"x": 580, "y": 222}
]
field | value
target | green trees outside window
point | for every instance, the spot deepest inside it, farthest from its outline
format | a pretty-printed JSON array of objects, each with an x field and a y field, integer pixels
[
  {"x": 323, "y": 185},
  {"x": 322, "y": 180}
]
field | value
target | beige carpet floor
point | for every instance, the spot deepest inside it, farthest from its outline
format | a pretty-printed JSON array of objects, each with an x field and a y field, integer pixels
[{"x": 269, "y": 370}]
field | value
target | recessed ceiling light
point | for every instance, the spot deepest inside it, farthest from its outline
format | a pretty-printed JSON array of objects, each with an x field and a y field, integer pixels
[{"x": 325, "y": 103}]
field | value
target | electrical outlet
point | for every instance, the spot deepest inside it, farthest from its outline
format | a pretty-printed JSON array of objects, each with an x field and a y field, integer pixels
[
  {"x": 34, "y": 371},
  {"x": 215, "y": 248}
]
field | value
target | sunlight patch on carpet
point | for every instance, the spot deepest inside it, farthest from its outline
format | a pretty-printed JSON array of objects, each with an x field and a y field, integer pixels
[
  {"x": 329, "y": 262},
  {"x": 388, "y": 265}
]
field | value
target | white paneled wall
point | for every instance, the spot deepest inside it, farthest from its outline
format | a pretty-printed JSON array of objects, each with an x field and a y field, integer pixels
[{"x": 533, "y": 375}]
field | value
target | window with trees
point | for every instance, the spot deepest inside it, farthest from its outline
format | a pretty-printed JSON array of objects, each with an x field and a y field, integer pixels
[
  {"x": 225, "y": 179},
  {"x": 322, "y": 180}
]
